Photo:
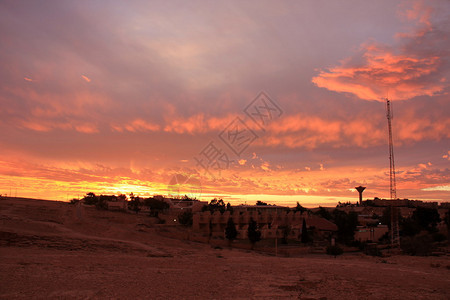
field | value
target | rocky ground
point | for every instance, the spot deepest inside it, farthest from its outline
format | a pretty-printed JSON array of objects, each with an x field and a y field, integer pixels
[{"x": 53, "y": 250}]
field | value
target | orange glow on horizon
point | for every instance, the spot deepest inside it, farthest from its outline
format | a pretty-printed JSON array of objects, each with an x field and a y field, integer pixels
[{"x": 126, "y": 112}]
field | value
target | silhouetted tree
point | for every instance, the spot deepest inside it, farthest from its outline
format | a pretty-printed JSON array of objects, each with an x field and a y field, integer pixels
[
  {"x": 447, "y": 221},
  {"x": 286, "y": 230},
  {"x": 185, "y": 218},
  {"x": 230, "y": 231},
  {"x": 229, "y": 208},
  {"x": 135, "y": 205},
  {"x": 155, "y": 206},
  {"x": 122, "y": 197},
  {"x": 427, "y": 218},
  {"x": 260, "y": 203},
  {"x": 324, "y": 213},
  {"x": 90, "y": 199},
  {"x": 346, "y": 224},
  {"x": 304, "y": 236},
  {"x": 102, "y": 202},
  {"x": 408, "y": 226},
  {"x": 254, "y": 235},
  {"x": 215, "y": 205},
  {"x": 300, "y": 208},
  {"x": 187, "y": 198}
]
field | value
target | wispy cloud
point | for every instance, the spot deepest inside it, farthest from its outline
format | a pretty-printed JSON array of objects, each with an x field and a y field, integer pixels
[{"x": 137, "y": 125}]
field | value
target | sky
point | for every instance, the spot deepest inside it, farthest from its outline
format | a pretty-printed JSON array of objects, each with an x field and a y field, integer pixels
[{"x": 279, "y": 101}]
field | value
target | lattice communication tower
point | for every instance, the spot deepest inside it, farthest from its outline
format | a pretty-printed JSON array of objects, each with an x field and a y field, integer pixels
[{"x": 395, "y": 236}]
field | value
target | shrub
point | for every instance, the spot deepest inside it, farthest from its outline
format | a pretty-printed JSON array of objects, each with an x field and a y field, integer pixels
[
  {"x": 439, "y": 237},
  {"x": 372, "y": 250},
  {"x": 101, "y": 204},
  {"x": 74, "y": 201},
  {"x": 230, "y": 231},
  {"x": 185, "y": 218},
  {"x": 254, "y": 235},
  {"x": 334, "y": 250},
  {"x": 417, "y": 245}
]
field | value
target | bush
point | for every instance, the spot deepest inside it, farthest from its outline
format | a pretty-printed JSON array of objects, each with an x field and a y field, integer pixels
[
  {"x": 439, "y": 237},
  {"x": 90, "y": 199},
  {"x": 230, "y": 231},
  {"x": 372, "y": 250},
  {"x": 254, "y": 235},
  {"x": 74, "y": 201},
  {"x": 334, "y": 250},
  {"x": 185, "y": 218},
  {"x": 134, "y": 205},
  {"x": 358, "y": 244},
  {"x": 101, "y": 204},
  {"x": 417, "y": 245}
]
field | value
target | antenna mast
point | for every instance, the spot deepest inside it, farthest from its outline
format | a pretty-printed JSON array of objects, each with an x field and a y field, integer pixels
[
  {"x": 392, "y": 185},
  {"x": 395, "y": 236}
]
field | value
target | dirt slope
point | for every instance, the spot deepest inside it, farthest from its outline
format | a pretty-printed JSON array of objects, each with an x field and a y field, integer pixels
[{"x": 51, "y": 250}]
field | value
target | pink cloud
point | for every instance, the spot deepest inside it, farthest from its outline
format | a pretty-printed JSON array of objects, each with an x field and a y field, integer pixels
[
  {"x": 140, "y": 125},
  {"x": 384, "y": 73},
  {"x": 50, "y": 125},
  {"x": 86, "y": 128},
  {"x": 310, "y": 132},
  {"x": 36, "y": 126},
  {"x": 197, "y": 123},
  {"x": 415, "y": 67}
]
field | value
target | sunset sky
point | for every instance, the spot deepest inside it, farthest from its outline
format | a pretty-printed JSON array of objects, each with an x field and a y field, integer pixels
[{"x": 121, "y": 96}]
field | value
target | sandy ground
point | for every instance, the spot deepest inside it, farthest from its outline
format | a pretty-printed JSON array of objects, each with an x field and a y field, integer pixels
[{"x": 48, "y": 251}]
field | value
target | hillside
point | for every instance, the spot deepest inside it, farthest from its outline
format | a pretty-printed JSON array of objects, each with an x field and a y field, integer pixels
[{"x": 50, "y": 250}]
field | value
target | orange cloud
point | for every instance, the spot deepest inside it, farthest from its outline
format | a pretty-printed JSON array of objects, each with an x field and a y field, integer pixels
[
  {"x": 86, "y": 78},
  {"x": 137, "y": 125},
  {"x": 302, "y": 131},
  {"x": 35, "y": 126},
  {"x": 446, "y": 156},
  {"x": 49, "y": 125},
  {"x": 420, "y": 13},
  {"x": 198, "y": 123},
  {"x": 242, "y": 162},
  {"x": 310, "y": 132},
  {"x": 265, "y": 166},
  {"x": 86, "y": 128},
  {"x": 382, "y": 72},
  {"x": 415, "y": 67}
]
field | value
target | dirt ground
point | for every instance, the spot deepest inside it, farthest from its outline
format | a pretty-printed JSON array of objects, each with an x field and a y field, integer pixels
[{"x": 53, "y": 250}]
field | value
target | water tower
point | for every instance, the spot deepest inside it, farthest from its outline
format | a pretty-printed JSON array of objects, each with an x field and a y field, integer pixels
[{"x": 360, "y": 190}]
